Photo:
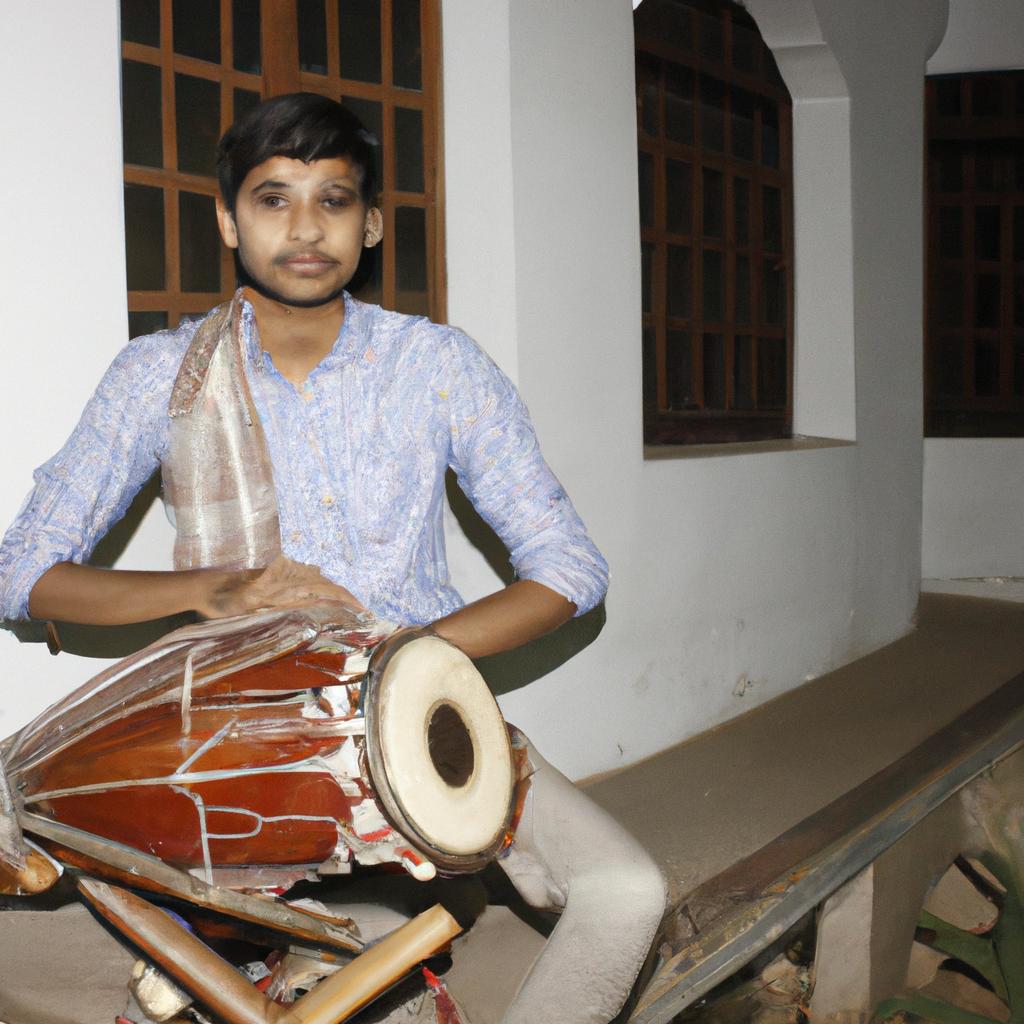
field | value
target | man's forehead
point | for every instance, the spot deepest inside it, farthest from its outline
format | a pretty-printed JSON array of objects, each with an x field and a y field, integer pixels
[{"x": 284, "y": 171}]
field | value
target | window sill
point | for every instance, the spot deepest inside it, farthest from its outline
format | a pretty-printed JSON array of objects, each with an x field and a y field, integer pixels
[{"x": 658, "y": 453}]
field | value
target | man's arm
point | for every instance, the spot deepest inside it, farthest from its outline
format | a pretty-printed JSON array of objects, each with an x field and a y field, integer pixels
[
  {"x": 521, "y": 612},
  {"x": 68, "y": 592}
]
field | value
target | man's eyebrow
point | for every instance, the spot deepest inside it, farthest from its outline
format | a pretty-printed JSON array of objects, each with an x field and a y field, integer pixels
[{"x": 271, "y": 184}]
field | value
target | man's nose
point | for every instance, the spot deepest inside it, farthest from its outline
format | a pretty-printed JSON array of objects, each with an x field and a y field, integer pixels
[{"x": 306, "y": 224}]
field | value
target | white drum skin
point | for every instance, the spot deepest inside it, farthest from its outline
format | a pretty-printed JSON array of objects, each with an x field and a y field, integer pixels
[{"x": 453, "y": 782}]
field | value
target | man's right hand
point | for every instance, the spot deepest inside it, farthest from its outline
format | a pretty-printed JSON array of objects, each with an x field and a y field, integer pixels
[{"x": 282, "y": 584}]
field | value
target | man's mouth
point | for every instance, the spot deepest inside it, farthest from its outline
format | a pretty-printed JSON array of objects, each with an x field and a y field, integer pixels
[{"x": 307, "y": 262}]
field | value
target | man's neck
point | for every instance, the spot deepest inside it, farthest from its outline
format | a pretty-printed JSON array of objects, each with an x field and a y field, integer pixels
[{"x": 297, "y": 337}]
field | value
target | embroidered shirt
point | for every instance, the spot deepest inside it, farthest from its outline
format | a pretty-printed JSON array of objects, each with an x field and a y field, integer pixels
[{"x": 359, "y": 454}]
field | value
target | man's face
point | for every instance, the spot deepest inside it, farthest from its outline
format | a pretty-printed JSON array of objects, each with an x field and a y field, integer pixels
[{"x": 300, "y": 228}]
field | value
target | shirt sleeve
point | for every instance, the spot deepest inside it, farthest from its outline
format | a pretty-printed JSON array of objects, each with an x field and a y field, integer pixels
[
  {"x": 89, "y": 484},
  {"x": 500, "y": 468}
]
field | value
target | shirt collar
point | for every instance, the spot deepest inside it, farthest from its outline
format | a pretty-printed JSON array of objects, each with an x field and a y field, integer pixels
[{"x": 351, "y": 340}]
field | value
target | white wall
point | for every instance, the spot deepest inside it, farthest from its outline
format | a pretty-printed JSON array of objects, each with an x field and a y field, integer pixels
[
  {"x": 734, "y": 577},
  {"x": 974, "y": 489}
]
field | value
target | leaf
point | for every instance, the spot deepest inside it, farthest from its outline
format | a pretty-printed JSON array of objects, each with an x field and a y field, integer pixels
[
  {"x": 974, "y": 950},
  {"x": 929, "y": 1009}
]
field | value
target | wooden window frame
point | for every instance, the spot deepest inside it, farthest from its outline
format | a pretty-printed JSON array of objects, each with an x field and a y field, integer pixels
[
  {"x": 280, "y": 73},
  {"x": 953, "y": 347},
  {"x": 699, "y": 423}
]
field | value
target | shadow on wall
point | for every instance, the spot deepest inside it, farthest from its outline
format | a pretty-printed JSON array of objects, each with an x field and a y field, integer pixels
[
  {"x": 503, "y": 672},
  {"x": 109, "y": 641},
  {"x": 515, "y": 669}
]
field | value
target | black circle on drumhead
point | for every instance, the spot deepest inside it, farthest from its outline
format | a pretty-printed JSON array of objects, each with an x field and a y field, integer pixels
[{"x": 450, "y": 745}]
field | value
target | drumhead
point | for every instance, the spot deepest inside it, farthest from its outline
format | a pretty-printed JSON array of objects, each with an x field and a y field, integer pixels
[{"x": 438, "y": 751}]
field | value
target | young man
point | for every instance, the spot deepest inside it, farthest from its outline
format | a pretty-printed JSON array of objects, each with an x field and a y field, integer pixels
[{"x": 355, "y": 413}]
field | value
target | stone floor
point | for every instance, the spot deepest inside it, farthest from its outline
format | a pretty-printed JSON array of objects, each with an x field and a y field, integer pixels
[{"x": 698, "y": 807}]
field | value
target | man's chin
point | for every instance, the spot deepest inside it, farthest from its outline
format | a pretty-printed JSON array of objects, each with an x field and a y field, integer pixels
[{"x": 290, "y": 298}]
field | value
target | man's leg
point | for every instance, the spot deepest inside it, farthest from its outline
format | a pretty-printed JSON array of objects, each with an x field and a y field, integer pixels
[{"x": 570, "y": 855}]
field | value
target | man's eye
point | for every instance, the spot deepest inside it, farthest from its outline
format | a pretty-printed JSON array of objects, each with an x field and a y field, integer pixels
[
  {"x": 337, "y": 202},
  {"x": 272, "y": 201}
]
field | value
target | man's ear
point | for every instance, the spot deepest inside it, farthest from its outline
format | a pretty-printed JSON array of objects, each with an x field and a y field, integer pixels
[
  {"x": 226, "y": 223},
  {"x": 373, "y": 231}
]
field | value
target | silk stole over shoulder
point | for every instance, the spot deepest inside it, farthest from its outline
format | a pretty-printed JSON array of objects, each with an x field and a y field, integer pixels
[{"x": 217, "y": 477}]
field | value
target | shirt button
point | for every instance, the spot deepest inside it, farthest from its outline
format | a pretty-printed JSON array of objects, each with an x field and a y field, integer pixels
[{"x": 327, "y": 499}]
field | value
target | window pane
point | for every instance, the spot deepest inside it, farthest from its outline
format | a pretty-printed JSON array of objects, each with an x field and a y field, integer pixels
[
  {"x": 646, "y": 263},
  {"x": 1018, "y": 366},
  {"x": 369, "y": 112},
  {"x": 405, "y": 45},
  {"x": 141, "y": 115},
  {"x": 678, "y": 297},
  {"x": 986, "y": 96},
  {"x": 312, "y": 19},
  {"x": 774, "y": 288},
  {"x": 741, "y": 314},
  {"x": 986, "y": 232},
  {"x": 200, "y": 243},
  {"x": 712, "y": 42},
  {"x": 678, "y": 103},
  {"x": 746, "y": 46},
  {"x": 666, "y": 21},
  {"x": 743, "y": 124},
  {"x": 650, "y": 369},
  {"x": 771, "y": 373},
  {"x": 743, "y": 373},
  {"x": 140, "y": 21},
  {"x": 648, "y": 70},
  {"x": 411, "y": 259},
  {"x": 714, "y": 371},
  {"x": 947, "y": 366},
  {"x": 197, "y": 29},
  {"x": 1018, "y": 232},
  {"x": 408, "y": 149},
  {"x": 986, "y": 170},
  {"x": 145, "y": 322},
  {"x": 986, "y": 368},
  {"x": 951, "y": 242},
  {"x": 950, "y": 175},
  {"x": 714, "y": 285},
  {"x": 741, "y": 206},
  {"x": 1018, "y": 301},
  {"x": 712, "y": 113},
  {"x": 769, "y": 134},
  {"x": 144, "y": 237},
  {"x": 678, "y": 370},
  {"x": 714, "y": 204},
  {"x": 646, "y": 171},
  {"x": 986, "y": 300},
  {"x": 947, "y": 95},
  {"x": 771, "y": 199},
  {"x": 948, "y": 298},
  {"x": 245, "y": 32},
  {"x": 359, "y": 39},
  {"x": 678, "y": 198},
  {"x": 244, "y": 100},
  {"x": 198, "y": 111},
  {"x": 366, "y": 283}
]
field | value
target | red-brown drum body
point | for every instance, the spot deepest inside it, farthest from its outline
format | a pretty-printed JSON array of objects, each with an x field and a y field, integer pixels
[{"x": 286, "y": 739}]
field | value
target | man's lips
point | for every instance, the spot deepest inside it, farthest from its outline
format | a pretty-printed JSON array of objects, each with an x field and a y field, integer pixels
[{"x": 307, "y": 262}]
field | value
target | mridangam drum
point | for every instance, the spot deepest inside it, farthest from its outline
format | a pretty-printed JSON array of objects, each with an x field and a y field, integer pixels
[
  {"x": 256, "y": 750},
  {"x": 438, "y": 751}
]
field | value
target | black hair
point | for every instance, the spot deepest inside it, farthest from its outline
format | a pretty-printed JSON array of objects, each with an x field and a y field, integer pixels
[{"x": 300, "y": 125}]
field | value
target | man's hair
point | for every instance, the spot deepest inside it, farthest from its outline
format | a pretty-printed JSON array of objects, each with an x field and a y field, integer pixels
[{"x": 300, "y": 125}]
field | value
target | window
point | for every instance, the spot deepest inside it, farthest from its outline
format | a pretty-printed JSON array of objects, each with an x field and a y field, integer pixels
[
  {"x": 714, "y": 125},
  {"x": 974, "y": 338},
  {"x": 190, "y": 67}
]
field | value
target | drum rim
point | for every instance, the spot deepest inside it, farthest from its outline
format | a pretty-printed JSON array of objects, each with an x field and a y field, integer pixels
[{"x": 390, "y": 806}]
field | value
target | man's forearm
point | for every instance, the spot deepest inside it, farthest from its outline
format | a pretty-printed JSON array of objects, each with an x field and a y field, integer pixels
[
  {"x": 521, "y": 612},
  {"x": 68, "y": 592}
]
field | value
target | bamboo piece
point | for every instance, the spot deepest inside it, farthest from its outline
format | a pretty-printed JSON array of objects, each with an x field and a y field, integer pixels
[
  {"x": 142, "y": 871},
  {"x": 39, "y": 874},
  {"x": 336, "y": 998},
  {"x": 216, "y": 983}
]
